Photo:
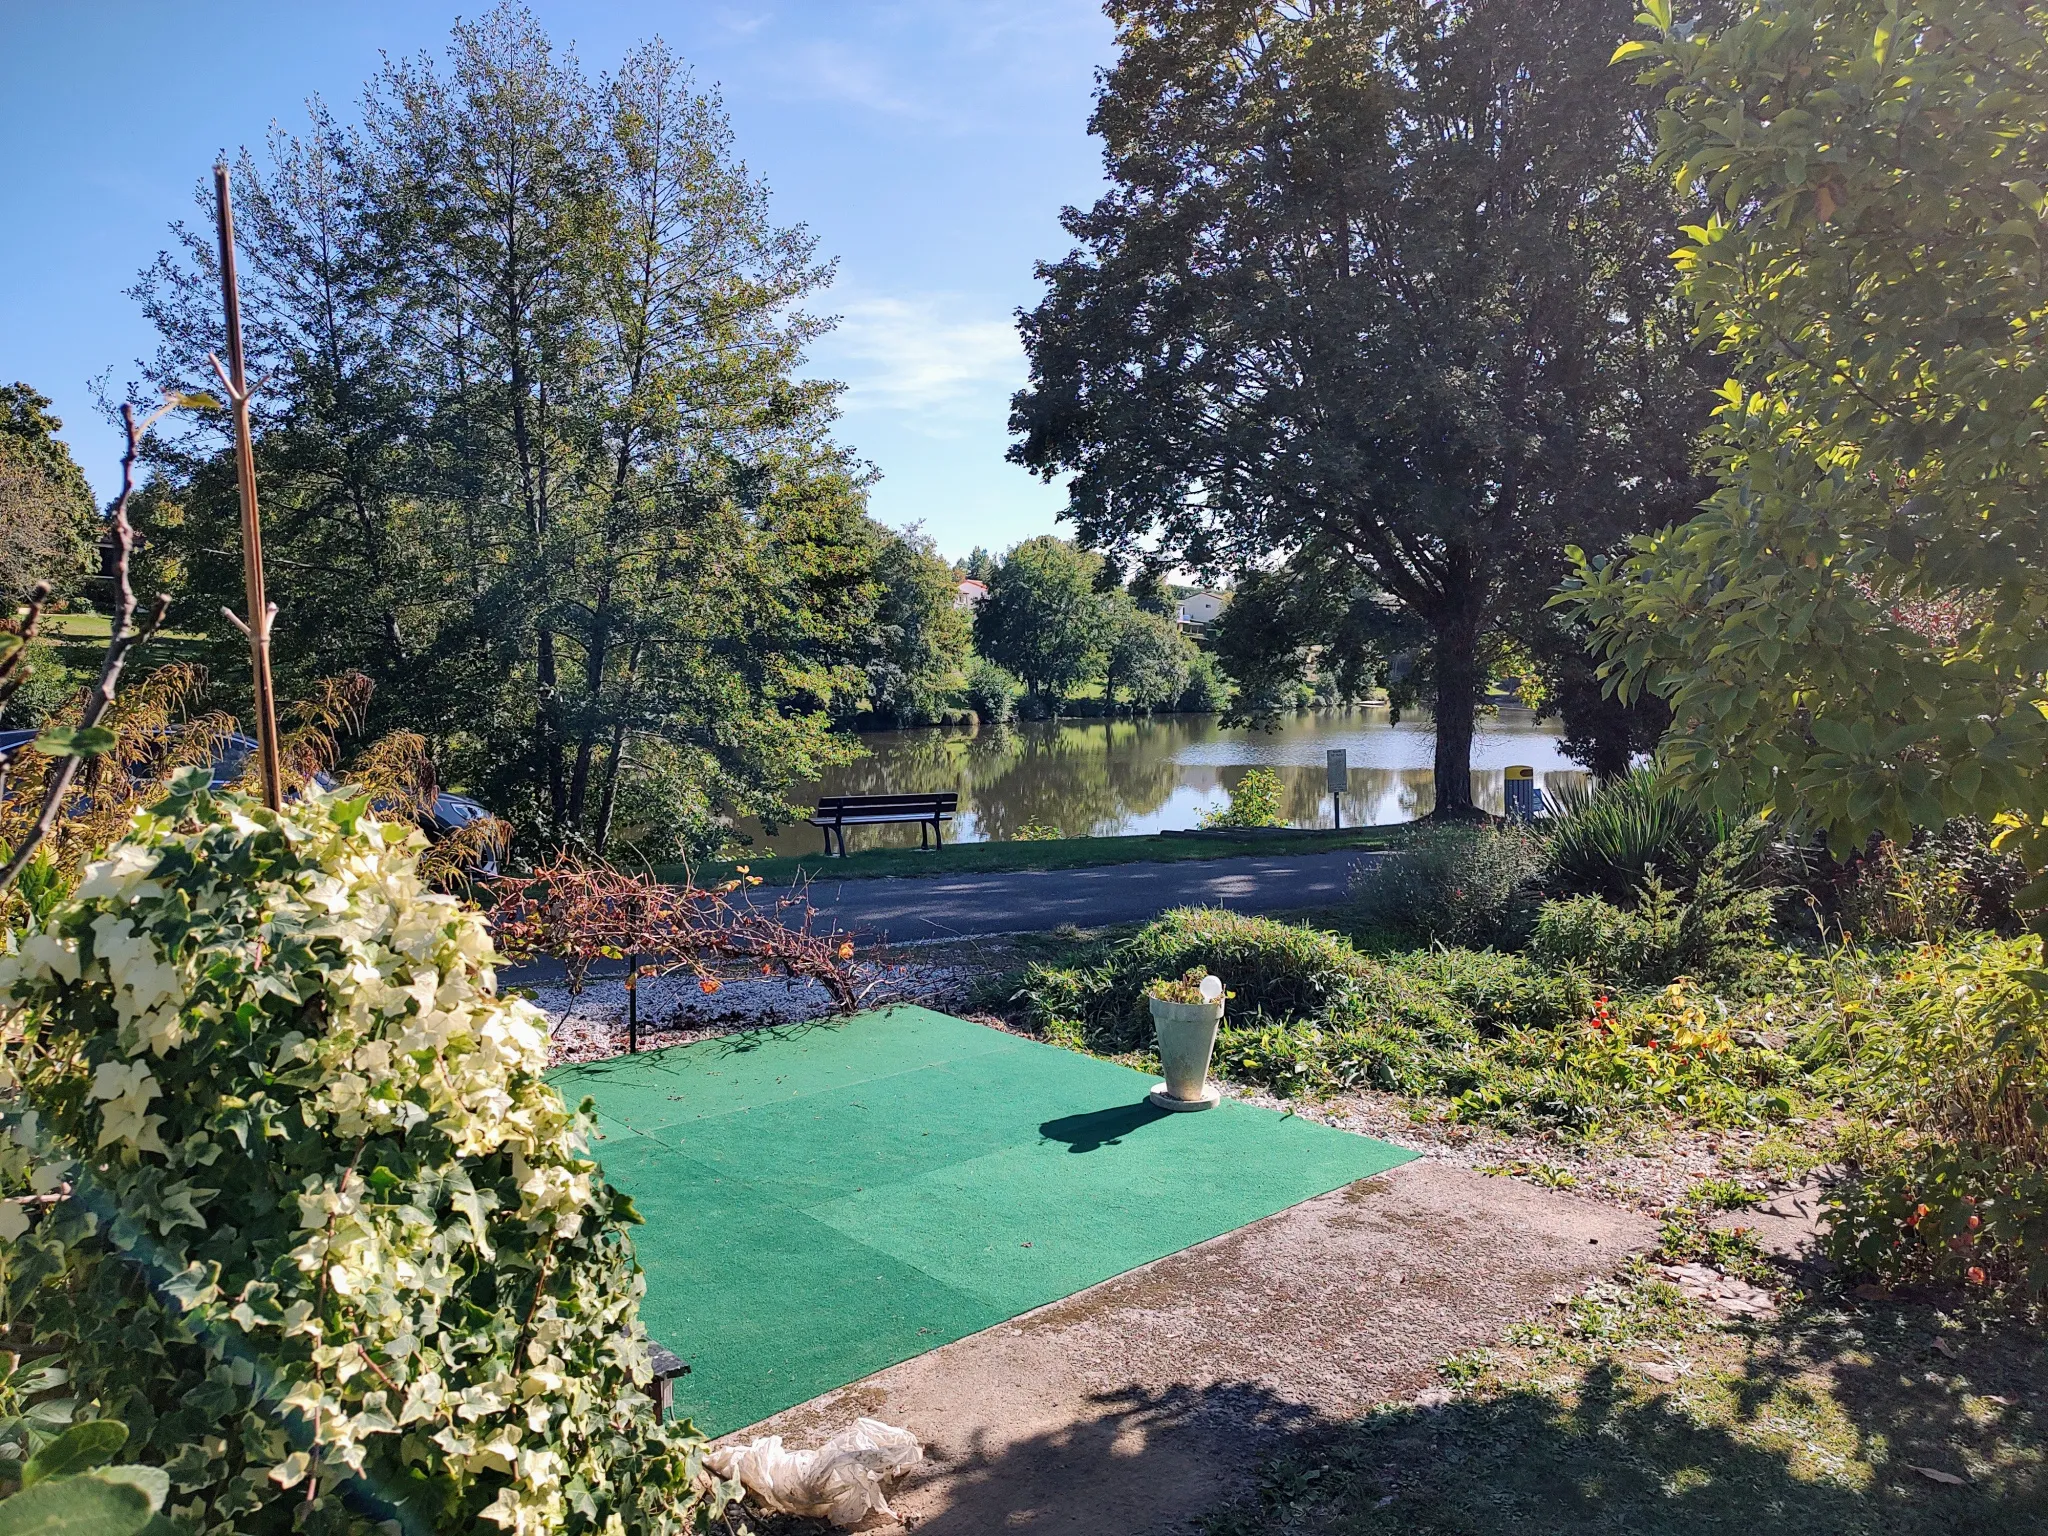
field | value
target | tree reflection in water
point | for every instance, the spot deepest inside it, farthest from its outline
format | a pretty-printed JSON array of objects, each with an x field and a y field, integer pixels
[{"x": 1126, "y": 777}]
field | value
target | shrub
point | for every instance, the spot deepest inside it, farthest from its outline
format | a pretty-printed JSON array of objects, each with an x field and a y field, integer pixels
[
  {"x": 1037, "y": 832},
  {"x": 1719, "y": 931},
  {"x": 326, "y": 1239},
  {"x": 1941, "y": 886},
  {"x": 1677, "y": 1056},
  {"x": 1607, "y": 841},
  {"x": 1255, "y": 801},
  {"x": 1205, "y": 691},
  {"x": 1452, "y": 885},
  {"x": 1280, "y": 970},
  {"x": 992, "y": 692},
  {"x": 1956, "y": 1070},
  {"x": 1496, "y": 992}
]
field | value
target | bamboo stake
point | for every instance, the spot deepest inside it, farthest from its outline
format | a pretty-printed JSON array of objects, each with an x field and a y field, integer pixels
[{"x": 257, "y": 626}]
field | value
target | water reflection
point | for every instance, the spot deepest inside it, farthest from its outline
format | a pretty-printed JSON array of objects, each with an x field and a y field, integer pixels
[{"x": 1122, "y": 777}]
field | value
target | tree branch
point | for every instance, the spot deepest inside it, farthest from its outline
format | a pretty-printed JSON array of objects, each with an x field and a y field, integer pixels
[{"x": 122, "y": 638}]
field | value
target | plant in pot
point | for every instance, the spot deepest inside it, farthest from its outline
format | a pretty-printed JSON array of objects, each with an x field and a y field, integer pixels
[{"x": 1186, "y": 1011}]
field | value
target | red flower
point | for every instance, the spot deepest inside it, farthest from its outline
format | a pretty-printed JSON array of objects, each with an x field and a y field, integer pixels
[
  {"x": 1976, "y": 1275},
  {"x": 1975, "y": 1223},
  {"x": 708, "y": 984}
]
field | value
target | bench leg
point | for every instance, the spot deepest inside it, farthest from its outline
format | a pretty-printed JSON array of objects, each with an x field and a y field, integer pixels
[{"x": 938, "y": 833}]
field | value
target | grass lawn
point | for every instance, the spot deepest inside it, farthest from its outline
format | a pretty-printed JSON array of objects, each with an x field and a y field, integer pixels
[
  {"x": 1821, "y": 1422},
  {"x": 80, "y": 640},
  {"x": 1056, "y": 853}
]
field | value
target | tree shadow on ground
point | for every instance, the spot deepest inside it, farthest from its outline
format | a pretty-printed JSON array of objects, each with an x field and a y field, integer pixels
[
  {"x": 1814, "y": 1427},
  {"x": 1817, "y": 1426}
]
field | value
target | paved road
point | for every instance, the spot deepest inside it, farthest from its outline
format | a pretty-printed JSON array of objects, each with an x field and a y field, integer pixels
[{"x": 1032, "y": 901}]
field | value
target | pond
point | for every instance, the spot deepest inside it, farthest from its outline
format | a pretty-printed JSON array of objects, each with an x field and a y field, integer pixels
[{"x": 1108, "y": 778}]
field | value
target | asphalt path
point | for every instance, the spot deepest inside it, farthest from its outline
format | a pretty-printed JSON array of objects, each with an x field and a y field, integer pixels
[{"x": 928, "y": 907}]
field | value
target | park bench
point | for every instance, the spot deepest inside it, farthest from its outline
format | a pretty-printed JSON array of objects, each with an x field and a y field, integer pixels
[{"x": 835, "y": 813}]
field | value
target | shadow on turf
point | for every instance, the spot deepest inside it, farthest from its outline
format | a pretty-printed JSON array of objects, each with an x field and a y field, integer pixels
[
  {"x": 1236, "y": 1460},
  {"x": 1100, "y": 1128}
]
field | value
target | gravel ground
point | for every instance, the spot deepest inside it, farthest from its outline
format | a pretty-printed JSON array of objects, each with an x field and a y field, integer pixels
[
  {"x": 1647, "y": 1177},
  {"x": 591, "y": 1025}
]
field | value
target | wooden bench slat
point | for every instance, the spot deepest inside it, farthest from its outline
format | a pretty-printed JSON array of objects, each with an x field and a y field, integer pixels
[{"x": 835, "y": 813}]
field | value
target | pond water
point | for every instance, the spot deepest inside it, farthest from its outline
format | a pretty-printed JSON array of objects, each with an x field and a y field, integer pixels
[{"x": 1108, "y": 778}]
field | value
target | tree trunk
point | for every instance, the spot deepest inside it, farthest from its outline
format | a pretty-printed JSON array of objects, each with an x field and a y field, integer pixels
[{"x": 1459, "y": 687}]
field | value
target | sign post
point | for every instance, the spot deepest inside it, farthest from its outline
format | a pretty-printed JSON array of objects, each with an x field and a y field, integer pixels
[{"x": 1338, "y": 763}]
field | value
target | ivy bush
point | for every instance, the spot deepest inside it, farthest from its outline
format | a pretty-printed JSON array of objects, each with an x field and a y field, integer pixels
[{"x": 291, "y": 1198}]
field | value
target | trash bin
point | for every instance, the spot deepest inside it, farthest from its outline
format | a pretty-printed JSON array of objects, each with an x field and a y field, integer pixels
[{"x": 1524, "y": 799}]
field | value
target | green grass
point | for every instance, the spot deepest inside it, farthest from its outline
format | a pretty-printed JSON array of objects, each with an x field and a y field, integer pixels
[
  {"x": 1056, "y": 853},
  {"x": 80, "y": 640},
  {"x": 1817, "y": 1423}
]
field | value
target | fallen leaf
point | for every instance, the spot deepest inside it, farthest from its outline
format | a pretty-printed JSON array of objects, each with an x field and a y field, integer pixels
[
  {"x": 1947, "y": 1349},
  {"x": 1656, "y": 1372},
  {"x": 1993, "y": 1397},
  {"x": 1936, "y": 1475}
]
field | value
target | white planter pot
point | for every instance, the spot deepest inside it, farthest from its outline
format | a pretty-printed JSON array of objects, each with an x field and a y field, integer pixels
[{"x": 1187, "y": 1041}]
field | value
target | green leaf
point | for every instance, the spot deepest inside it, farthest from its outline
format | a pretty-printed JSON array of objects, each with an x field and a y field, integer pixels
[
  {"x": 198, "y": 401},
  {"x": 87, "y": 1444},
  {"x": 154, "y": 1482},
  {"x": 75, "y": 741},
  {"x": 1630, "y": 49},
  {"x": 77, "y": 1506}
]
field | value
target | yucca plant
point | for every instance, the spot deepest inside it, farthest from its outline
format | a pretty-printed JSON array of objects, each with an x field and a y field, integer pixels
[{"x": 1609, "y": 840}]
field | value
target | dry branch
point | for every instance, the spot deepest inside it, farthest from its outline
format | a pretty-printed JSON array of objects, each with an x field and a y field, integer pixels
[
  {"x": 122, "y": 638},
  {"x": 578, "y": 913}
]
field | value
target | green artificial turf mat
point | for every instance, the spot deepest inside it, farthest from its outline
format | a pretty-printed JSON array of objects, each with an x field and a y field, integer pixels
[{"x": 822, "y": 1201}]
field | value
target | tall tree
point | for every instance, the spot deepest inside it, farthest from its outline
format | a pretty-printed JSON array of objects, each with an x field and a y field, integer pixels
[
  {"x": 1146, "y": 655},
  {"x": 917, "y": 654},
  {"x": 533, "y": 447},
  {"x": 1379, "y": 294},
  {"x": 47, "y": 525},
  {"x": 1043, "y": 618},
  {"x": 1854, "y": 631}
]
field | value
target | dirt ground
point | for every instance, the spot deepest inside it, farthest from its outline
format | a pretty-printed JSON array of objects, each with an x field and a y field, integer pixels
[{"x": 1140, "y": 1405}]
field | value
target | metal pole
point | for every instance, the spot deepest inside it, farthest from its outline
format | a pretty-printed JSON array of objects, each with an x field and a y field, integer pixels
[
  {"x": 633, "y": 1003},
  {"x": 245, "y": 481}
]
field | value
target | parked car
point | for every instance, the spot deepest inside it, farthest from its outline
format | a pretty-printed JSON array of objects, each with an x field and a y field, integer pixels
[{"x": 449, "y": 813}]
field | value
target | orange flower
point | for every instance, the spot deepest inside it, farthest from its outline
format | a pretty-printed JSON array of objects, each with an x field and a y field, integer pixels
[
  {"x": 1976, "y": 1275},
  {"x": 846, "y": 951},
  {"x": 708, "y": 984},
  {"x": 1975, "y": 1223}
]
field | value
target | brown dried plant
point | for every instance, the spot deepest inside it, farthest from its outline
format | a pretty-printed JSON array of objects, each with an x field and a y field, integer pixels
[{"x": 577, "y": 913}]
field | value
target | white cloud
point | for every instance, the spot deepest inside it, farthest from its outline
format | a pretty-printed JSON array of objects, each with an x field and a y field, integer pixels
[{"x": 923, "y": 354}]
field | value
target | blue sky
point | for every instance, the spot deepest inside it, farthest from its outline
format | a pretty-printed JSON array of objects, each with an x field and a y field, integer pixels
[{"x": 929, "y": 143}]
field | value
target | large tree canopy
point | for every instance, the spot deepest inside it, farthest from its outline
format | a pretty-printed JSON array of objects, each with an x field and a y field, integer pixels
[
  {"x": 1854, "y": 631},
  {"x": 47, "y": 527},
  {"x": 532, "y": 447},
  {"x": 1380, "y": 292}
]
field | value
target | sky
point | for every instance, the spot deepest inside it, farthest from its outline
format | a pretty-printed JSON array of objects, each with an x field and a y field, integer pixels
[{"x": 929, "y": 144}]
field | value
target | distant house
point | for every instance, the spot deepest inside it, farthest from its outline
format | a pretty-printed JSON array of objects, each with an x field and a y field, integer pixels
[
  {"x": 1199, "y": 609},
  {"x": 971, "y": 593}
]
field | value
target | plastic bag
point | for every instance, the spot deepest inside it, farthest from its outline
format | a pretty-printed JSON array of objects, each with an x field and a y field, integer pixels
[{"x": 840, "y": 1481}]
